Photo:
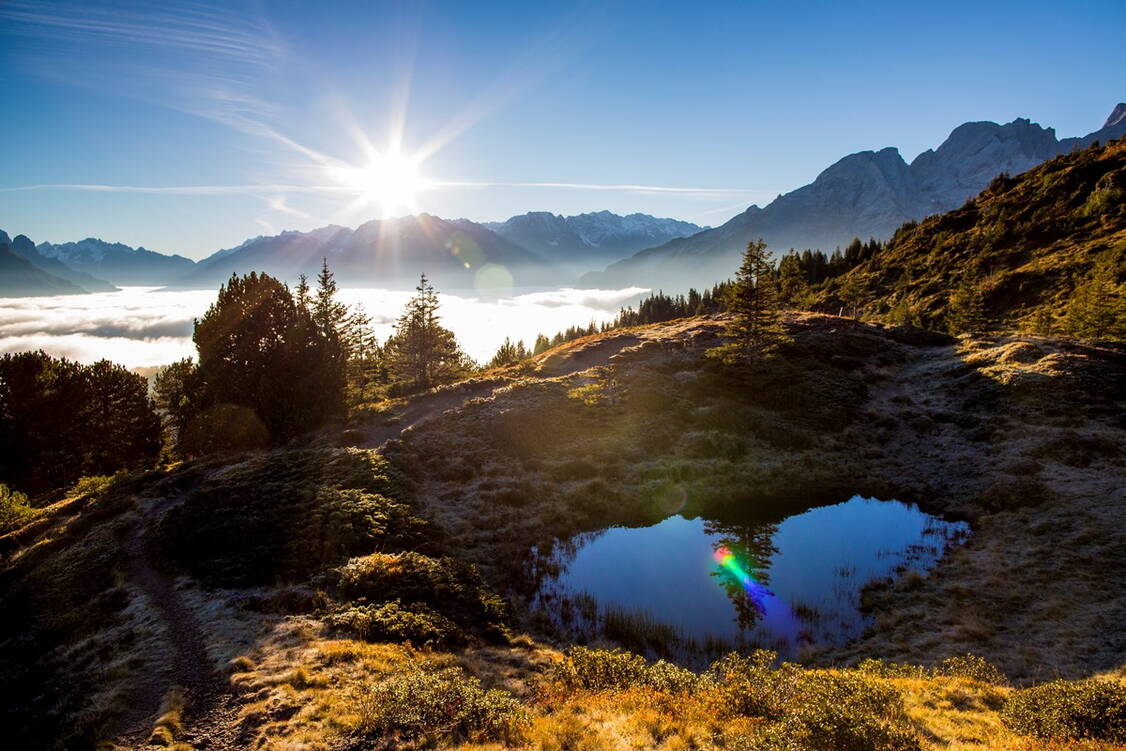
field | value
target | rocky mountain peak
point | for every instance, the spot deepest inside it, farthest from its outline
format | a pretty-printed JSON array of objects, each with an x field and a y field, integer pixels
[{"x": 1117, "y": 116}]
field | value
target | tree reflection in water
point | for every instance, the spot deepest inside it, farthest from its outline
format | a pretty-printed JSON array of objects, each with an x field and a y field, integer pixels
[{"x": 743, "y": 553}]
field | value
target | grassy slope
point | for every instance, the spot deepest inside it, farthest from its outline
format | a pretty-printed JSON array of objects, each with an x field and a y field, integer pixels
[
  {"x": 1023, "y": 435},
  {"x": 1028, "y": 240}
]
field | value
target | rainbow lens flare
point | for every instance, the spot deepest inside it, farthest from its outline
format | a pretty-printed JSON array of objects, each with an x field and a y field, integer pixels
[{"x": 756, "y": 592}]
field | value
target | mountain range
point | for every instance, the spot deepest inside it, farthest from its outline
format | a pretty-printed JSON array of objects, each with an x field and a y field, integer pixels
[
  {"x": 456, "y": 254},
  {"x": 867, "y": 194},
  {"x": 581, "y": 242},
  {"x": 118, "y": 263},
  {"x": 25, "y": 272}
]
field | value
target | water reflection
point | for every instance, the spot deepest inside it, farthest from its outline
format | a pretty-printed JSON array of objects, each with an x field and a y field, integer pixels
[{"x": 696, "y": 587}]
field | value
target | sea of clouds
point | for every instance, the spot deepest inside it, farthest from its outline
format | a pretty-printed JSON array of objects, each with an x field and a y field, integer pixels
[{"x": 143, "y": 327}]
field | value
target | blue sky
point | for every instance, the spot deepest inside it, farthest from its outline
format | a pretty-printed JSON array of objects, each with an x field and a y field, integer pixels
[{"x": 252, "y": 112}]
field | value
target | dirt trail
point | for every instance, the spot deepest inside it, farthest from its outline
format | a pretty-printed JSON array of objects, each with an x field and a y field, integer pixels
[{"x": 209, "y": 709}]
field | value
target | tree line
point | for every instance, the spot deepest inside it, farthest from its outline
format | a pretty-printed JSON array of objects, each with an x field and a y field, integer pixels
[
  {"x": 61, "y": 420},
  {"x": 272, "y": 363}
]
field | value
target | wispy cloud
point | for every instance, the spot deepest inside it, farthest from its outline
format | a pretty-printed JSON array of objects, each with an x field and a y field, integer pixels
[
  {"x": 204, "y": 60},
  {"x": 216, "y": 32}
]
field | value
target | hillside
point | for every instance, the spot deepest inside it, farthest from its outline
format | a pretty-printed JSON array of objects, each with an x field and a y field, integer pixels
[
  {"x": 867, "y": 194},
  {"x": 456, "y": 255},
  {"x": 1021, "y": 250},
  {"x": 369, "y": 588}
]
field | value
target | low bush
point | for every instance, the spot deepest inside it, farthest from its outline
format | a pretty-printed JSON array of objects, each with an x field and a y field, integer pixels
[
  {"x": 1090, "y": 709},
  {"x": 429, "y": 596},
  {"x": 391, "y": 621},
  {"x": 14, "y": 510},
  {"x": 966, "y": 666},
  {"x": 841, "y": 712},
  {"x": 972, "y": 667},
  {"x": 423, "y": 703},
  {"x": 749, "y": 686},
  {"x": 614, "y": 669}
]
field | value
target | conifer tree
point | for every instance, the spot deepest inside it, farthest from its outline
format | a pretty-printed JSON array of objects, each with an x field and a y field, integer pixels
[
  {"x": 509, "y": 353},
  {"x": 422, "y": 352},
  {"x": 1097, "y": 308},
  {"x": 753, "y": 300},
  {"x": 854, "y": 293},
  {"x": 330, "y": 314},
  {"x": 793, "y": 289},
  {"x": 258, "y": 349},
  {"x": 301, "y": 294},
  {"x": 967, "y": 307}
]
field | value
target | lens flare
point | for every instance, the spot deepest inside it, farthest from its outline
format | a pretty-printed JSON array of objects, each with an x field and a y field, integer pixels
[{"x": 756, "y": 592}]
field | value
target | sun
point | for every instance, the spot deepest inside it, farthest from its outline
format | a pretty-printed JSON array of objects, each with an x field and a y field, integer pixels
[{"x": 389, "y": 179}]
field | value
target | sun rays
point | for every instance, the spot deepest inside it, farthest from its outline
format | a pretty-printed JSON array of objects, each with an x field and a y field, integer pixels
[{"x": 389, "y": 180}]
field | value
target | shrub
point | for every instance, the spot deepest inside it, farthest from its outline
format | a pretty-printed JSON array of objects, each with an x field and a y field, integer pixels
[
  {"x": 421, "y": 703},
  {"x": 885, "y": 669},
  {"x": 1090, "y": 709},
  {"x": 92, "y": 485},
  {"x": 14, "y": 509},
  {"x": 665, "y": 676},
  {"x": 841, "y": 712},
  {"x": 972, "y": 667},
  {"x": 426, "y": 587},
  {"x": 392, "y": 621},
  {"x": 599, "y": 669},
  {"x": 748, "y": 686}
]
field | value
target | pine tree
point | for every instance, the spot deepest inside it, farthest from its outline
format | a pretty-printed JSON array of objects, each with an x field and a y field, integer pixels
[
  {"x": 509, "y": 353},
  {"x": 301, "y": 295},
  {"x": 1097, "y": 307},
  {"x": 967, "y": 307},
  {"x": 854, "y": 293},
  {"x": 753, "y": 300},
  {"x": 793, "y": 289},
  {"x": 258, "y": 349},
  {"x": 422, "y": 352},
  {"x": 330, "y": 314}
]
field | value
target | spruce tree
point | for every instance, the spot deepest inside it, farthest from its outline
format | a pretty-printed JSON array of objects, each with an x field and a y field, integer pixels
[
  {"x": 422, "y": 352},
  {"x": 854, "y": 294},
  {"x": 793, "y": 289},
  {"x": 753, "y": 301},
  {"x": 1097, "y": 307},
  {"x": 967, "y": 307}
]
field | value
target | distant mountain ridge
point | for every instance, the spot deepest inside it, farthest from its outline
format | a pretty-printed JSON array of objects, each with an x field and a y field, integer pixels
[
  {"x": 118, "y": 263},
  {"x": 56, "y": 271},
  {"x": 19, "y": 277},
  {"x": 582, "y": 241},
  {"x": 457, "y": 254},
  {"x": 867, "y": 194}
]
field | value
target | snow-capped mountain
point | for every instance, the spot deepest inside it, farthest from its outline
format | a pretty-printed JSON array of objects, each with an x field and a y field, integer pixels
[
  {"x": 22, "y": 246},
  {"x": 586, "y": 241},
  {"x": 118, "y": 263}
]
